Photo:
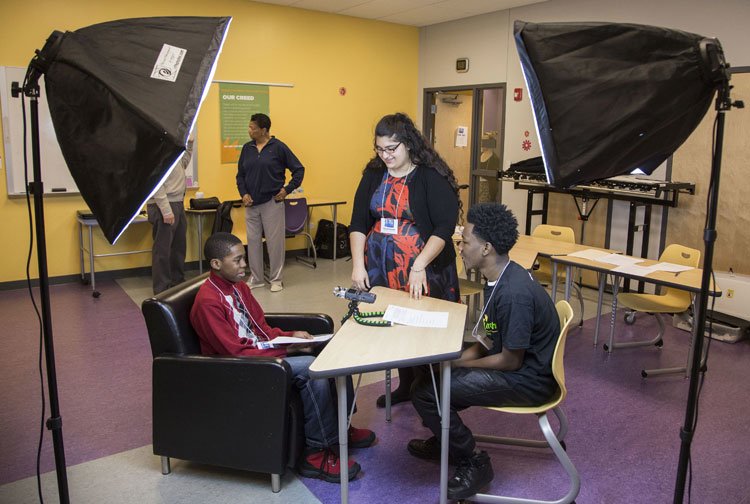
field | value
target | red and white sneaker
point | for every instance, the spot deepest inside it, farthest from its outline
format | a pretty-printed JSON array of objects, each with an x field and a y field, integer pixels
[
  {"x": 360, "y": 438},
  {"x": 324, "y": 464}
]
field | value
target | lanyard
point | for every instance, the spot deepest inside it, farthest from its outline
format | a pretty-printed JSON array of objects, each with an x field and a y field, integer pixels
[
  {"x": 487, "y": 304},
  {"x": 398, "y": 201}
]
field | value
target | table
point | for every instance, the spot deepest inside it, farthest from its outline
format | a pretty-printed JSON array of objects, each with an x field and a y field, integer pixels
[
  {"x": 689, "y": 280},
  {"x": 91, "y": 223},
  {"x": 357, "y": 349}
]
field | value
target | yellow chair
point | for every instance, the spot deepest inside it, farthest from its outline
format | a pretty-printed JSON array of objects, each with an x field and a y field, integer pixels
[
  {"x": 670, "y": 301},
  {"x": 543, "y": 273},
  {"x": 555, "y": 441}
]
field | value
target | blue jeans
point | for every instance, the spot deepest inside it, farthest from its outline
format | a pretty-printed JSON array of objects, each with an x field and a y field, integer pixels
[{"x": 318, "y": 401}]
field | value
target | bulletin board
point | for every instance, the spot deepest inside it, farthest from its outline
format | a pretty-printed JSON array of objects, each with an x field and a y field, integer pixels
[{"x": 55, "y": 174}]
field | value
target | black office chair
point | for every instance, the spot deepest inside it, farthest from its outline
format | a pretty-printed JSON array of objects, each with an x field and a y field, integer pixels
[{"x": 236, "y": 412}]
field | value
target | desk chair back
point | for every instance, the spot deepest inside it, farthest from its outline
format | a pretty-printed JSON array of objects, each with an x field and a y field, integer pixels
[
  {"x": 555, "y": 441},
  {"x": 543, "y": 273},
  {"x": 295, "y": 215},
  {"x": 468, "y": 288}
]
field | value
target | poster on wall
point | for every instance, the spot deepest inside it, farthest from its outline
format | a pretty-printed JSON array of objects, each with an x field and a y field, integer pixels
[{"x": 237, "y": 102}]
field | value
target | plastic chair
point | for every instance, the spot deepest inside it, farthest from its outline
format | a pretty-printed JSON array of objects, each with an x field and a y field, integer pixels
[
  {"x": 553, "y": 440},
  {"x": 543, "y": 273},
  {"x": 295, "y": 211},
  {"x": 670, "y": 301}
]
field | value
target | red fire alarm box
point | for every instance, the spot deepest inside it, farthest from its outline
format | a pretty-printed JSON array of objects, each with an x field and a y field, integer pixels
[{"x": 518, "y": 94}]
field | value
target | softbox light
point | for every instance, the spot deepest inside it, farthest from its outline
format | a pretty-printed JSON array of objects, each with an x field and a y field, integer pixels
[
  {"x": 609, "y": 98},
  {"x": 123, "y": 97}
]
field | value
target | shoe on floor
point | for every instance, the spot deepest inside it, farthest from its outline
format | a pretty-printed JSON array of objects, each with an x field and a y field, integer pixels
[
  {"x": 360, "y": 438},
  {"x": 427, "y": 449},
  {"x": 396, "y": 397},
  {"x": 472, "y": 474},
  {"x": 276, "y": 287},
  {"x": 255, "y": 285},
  {"x": 324, "y": 464}
]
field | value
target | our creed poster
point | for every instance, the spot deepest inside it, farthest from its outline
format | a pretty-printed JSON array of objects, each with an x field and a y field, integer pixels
[{"x": 237, "y": 102}]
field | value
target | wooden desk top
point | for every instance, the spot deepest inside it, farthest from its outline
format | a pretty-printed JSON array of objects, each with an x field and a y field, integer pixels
[
  {"x": 526, "y": 249},
  {"x": 689, "y": 280},
  {"x": 357, "y": 348},
  {"x": 313, "y": 202}
]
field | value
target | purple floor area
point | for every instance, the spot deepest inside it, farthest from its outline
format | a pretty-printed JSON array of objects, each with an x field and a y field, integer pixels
[
  {"x": 103, "y": 363},
  {"x": 624, "y": 431}
]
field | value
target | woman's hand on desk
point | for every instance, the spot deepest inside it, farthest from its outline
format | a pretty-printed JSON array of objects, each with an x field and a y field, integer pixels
[
  {"x": 360, "y": 280},
  {"x": 417, "y": 282}
]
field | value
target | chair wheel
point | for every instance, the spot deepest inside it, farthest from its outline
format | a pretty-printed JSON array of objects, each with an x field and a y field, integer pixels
[
  {"x": 630, "y": 318},
  {"x": 606, "y": 347},
  {"x": 96, "y": 294},
  {"x": 644, "y": 374},
  {"x": 659, "y": 344}
]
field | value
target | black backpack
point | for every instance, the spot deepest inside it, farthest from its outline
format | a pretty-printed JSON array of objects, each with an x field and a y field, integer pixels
[
  {"x": 324, "y": 241},
  {"x": 223, "y": 221}
]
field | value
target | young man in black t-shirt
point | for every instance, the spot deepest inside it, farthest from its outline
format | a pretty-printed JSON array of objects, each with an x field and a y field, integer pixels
[{"x": 511, "y": 362}]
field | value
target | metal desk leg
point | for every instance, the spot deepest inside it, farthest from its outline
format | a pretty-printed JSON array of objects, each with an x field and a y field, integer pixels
[
  {"x": 91, "y": 262},
  {"x": 335, "y": 231},
  {"x": 613, "y": 316},
  {"x": 343, "y": 438},
  {"x": 554, "y": 281},
  {"x": 602, "y": 282},
  {"x": 387, "y": 395},
  {"x": 200, "y": 243},
  {"x": 568, "y": 279},
  {"x": 445, "y": 419},
  {"x": 80, "y": 247}
]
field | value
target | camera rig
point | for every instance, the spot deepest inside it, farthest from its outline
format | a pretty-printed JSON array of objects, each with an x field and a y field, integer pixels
[{"x": 355, "y": 296}]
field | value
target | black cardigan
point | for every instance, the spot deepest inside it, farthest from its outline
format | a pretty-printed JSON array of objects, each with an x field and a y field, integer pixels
[{"x": 432, "y": 200}]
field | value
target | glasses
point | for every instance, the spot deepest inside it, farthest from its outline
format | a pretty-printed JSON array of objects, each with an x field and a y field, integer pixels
[{"x": 390, "y": 149}]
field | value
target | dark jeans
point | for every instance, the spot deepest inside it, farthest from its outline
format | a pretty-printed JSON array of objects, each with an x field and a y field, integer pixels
[
  {"x": 469, "y": 387},
  {"x": 170, "y": 241}
]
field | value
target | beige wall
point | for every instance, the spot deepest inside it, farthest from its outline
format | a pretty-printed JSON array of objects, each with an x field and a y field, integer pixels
[
  {"x": 317, "y": 52},
  {"x": 488, "y": 41}
]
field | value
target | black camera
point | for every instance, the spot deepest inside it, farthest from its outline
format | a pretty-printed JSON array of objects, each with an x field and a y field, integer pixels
[{"x": 354, "y": 295}]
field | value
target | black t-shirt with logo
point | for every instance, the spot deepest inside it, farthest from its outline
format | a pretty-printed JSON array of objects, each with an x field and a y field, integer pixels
[{"x": 521, "y": 315}]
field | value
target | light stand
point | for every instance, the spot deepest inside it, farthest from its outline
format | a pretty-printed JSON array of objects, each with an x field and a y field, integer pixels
[
  {"x": 723, "y": 104},
  {"x": 54, "y": 422}
]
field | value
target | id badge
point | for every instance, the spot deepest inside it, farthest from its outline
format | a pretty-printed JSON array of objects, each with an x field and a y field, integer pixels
[
  {"x": 388, "y": 226},
  {"x": 265, "y": 345}
]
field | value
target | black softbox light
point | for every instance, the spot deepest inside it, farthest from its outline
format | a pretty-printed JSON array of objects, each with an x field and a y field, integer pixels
[
  {"x": 123, "y": 96},
  {"x": 610, "y": 98}
]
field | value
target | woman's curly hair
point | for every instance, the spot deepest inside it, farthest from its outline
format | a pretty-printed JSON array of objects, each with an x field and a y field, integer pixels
[
  {"x": 494, "y": 223},
  {"x": 402, "y": 128}
]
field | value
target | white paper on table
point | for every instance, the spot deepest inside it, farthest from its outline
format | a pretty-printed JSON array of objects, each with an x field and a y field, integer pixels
[
  {"x": 592, "y": 254},
  {"x": 634, "y": 269},
  {"x": 674, "y": 268},
  {"x": 619, "y": 259},
  {"x": 287, "y": 340},
  {"x": 415, "y": 318}
]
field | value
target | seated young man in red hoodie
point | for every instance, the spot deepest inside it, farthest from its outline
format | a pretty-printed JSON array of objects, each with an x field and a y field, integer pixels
[{"x": 229, "y": 321}]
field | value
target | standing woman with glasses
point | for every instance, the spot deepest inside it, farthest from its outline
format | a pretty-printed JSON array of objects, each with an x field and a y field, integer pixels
[{"x": 405, "y": 212}]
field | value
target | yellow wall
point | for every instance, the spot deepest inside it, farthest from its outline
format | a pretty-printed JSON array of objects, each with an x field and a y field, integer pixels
[{"x": 317, "y": 52}]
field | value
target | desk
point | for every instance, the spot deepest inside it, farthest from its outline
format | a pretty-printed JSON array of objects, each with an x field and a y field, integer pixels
[
  {"x": 91, "y": 223},
  {"x": 357, "y": 349},
  {"x": 199, "y": 217},
  {"x": 689, "y": 280}
]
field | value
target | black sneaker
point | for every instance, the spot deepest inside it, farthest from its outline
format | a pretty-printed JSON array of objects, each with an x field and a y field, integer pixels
[
  {"x": 472, "y": 474},
  {"x": 427, "y": 449}
]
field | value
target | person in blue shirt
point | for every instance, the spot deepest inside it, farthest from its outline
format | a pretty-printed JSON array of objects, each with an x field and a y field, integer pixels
[
  {"x": 511, "y": 362},
  {"x": 261, "y": 177}
]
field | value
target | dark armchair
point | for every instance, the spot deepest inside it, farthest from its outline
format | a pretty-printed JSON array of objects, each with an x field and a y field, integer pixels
[{"x": 236, "y": 412}]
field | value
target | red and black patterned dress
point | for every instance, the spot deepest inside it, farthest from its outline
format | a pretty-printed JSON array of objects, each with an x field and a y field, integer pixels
[{"x": 389, "y": 257}]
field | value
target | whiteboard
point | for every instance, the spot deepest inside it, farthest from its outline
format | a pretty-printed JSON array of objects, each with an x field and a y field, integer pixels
[{"x": 55, "y": 174}]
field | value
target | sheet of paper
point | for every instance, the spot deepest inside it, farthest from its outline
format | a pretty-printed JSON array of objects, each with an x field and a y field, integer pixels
[
  {"x": 674, "y": 268},
  {"x": 415, "y": 318},
  {"x": 591, "y": 254},
  {"x": 287, "y": 340},
  {"x": 634, "y": 269},
  {"x": 619, "y": 259}
]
